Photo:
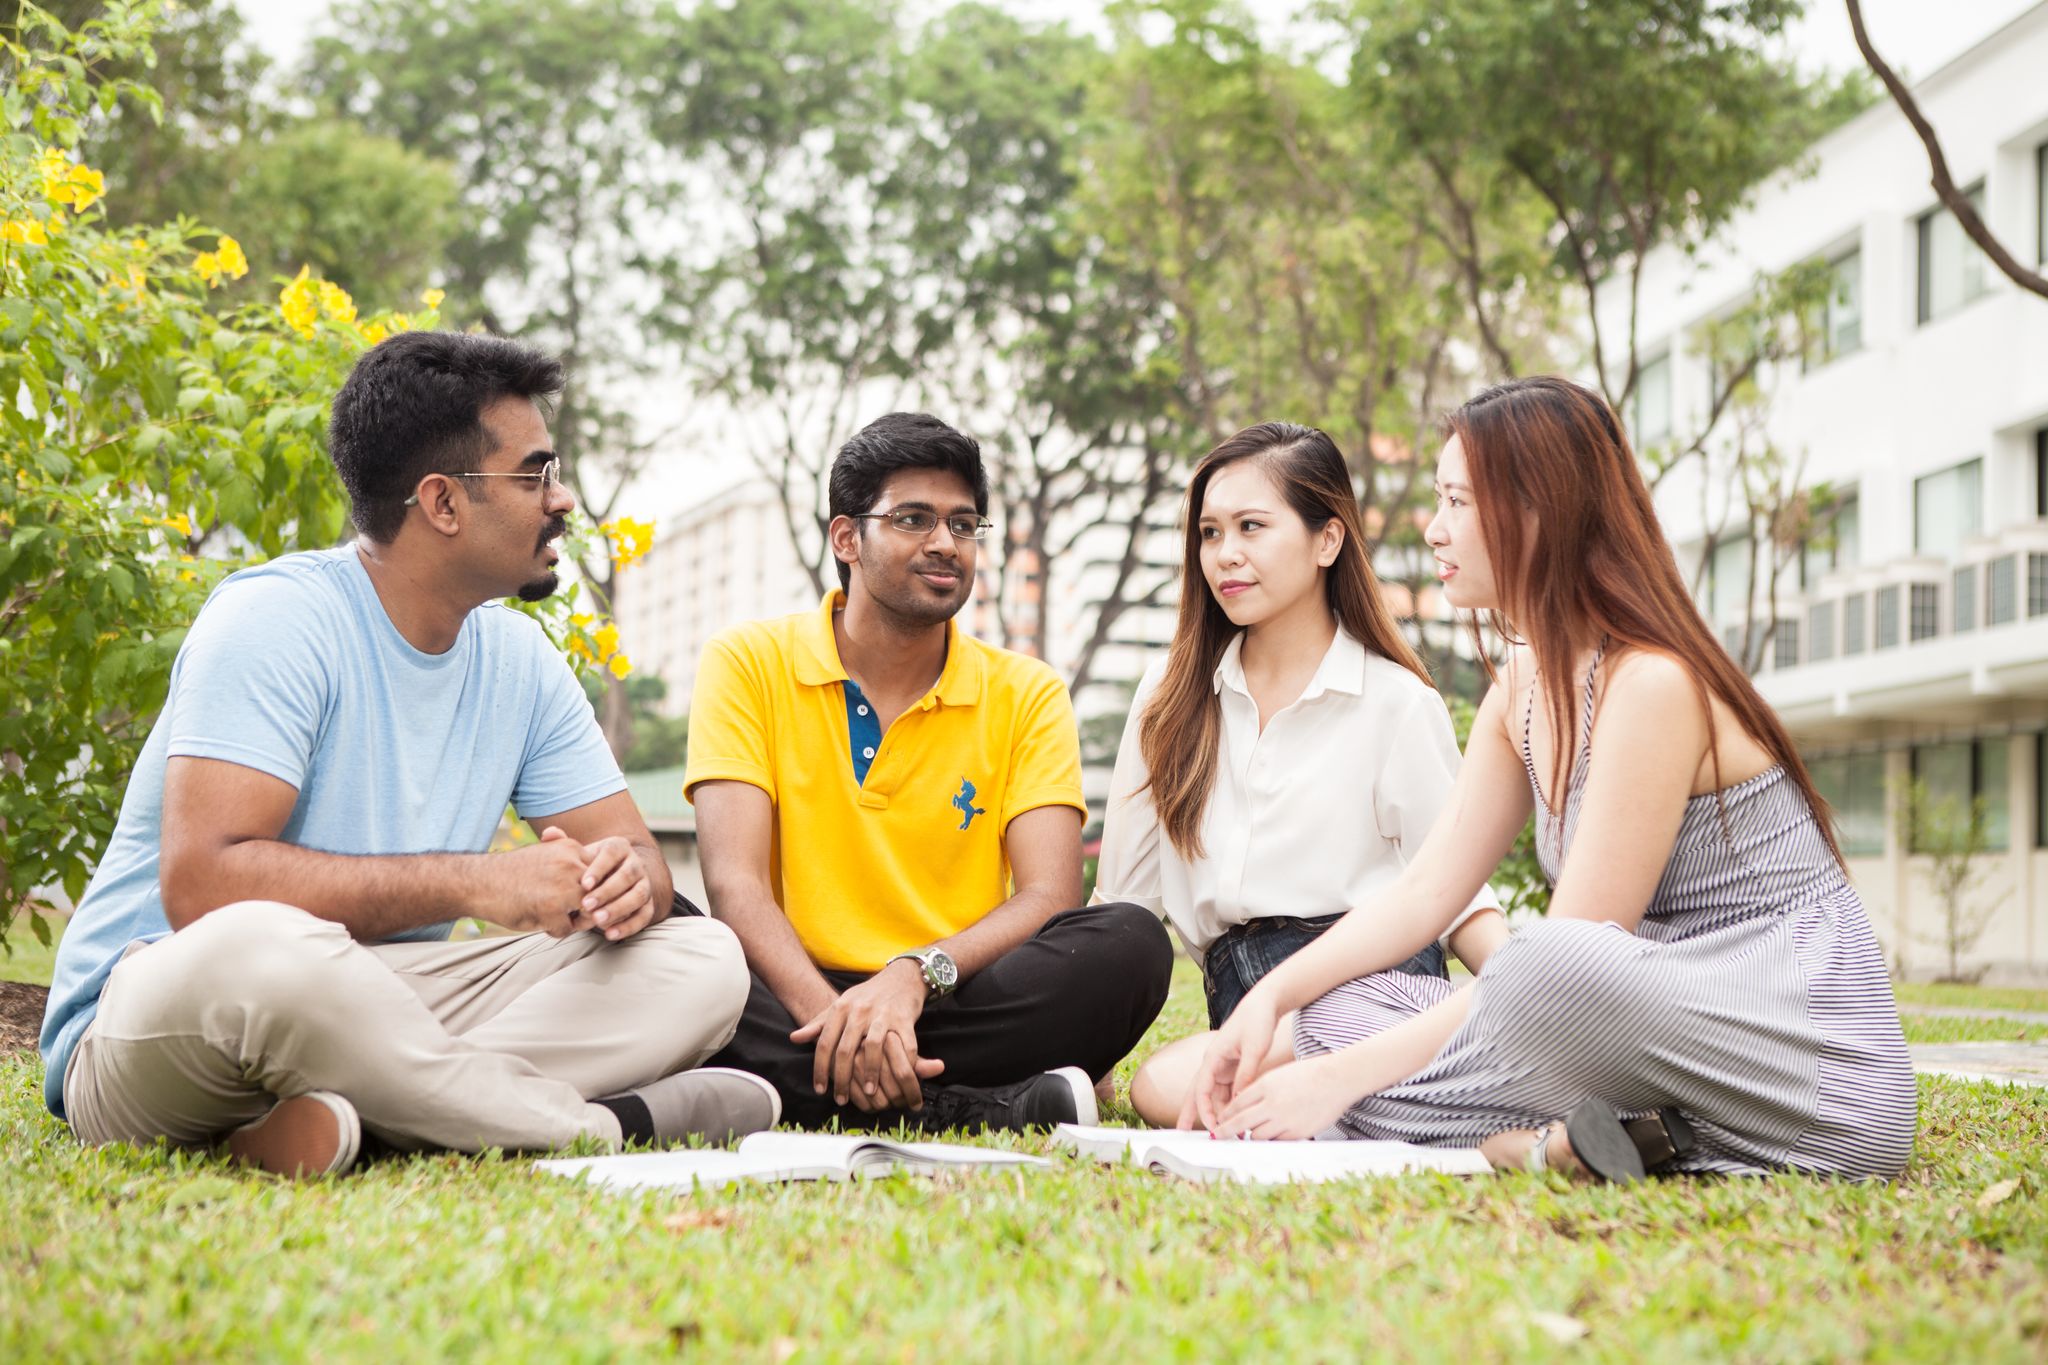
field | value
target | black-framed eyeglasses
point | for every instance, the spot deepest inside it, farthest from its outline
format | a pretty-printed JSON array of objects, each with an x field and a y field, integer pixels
[
  {"x": 548, "y": 475},
  {"x": 914, "y": 521}
]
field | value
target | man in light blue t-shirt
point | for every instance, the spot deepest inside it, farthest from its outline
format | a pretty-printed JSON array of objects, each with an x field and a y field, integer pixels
[{"x": 262, "y": 954}]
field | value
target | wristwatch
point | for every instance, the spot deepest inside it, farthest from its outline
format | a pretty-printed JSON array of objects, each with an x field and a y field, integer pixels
[{"x": 941, "y": 973}]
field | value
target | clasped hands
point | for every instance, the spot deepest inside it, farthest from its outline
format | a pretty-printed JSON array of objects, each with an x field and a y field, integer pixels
[
  {"x": 561, "y": 886},
  {"x": 867, "y": 1042},
  {"x": 1236, "y": 1095}
]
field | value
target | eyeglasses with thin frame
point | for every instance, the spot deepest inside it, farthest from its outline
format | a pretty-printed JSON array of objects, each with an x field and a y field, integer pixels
[
  {"x": 914, "y": 521},
  {"x": 549, "y": 475}
]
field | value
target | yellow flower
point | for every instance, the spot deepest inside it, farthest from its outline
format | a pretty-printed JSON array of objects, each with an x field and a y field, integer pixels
[
  {"x": 579, "y": 647},
  {"x": 432, "y": 298},
  {"x": 630, "y": 540},
  {"x": 207, "y": 263},
  {"x": 336, "y": 301},
  {"x": 68, "y": 182},
  {"x": 134, "y": 281},
  {"x": 400, "y": 322},
  {"x": 26, "y": 230},
  {"x": 374, "y": 332},
  {"x": 606, "y": 639},
  {"x": 620, "y": 665},
  {"x": 231, "y": 258},
  {"x": 299, "y": 302},
  {"x": 581, "y": 619}
]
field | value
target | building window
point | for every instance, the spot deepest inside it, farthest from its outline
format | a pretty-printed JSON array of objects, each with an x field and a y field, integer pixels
[
  {"x": 2037, "y": 585},
  {"x": 1966, "y": 598},
  {"x": 1925, "y": 622},
  {"x": 1952, "y": 269},
  {"x": 1855, "y": 619},
  {"x": 1833, "y": 541},
  {"x": 1888, "y": 616},
  {"x": 1653, "y": 402},
  {"x": 1820, "y": 632},
  {"x": 1839, "y": 328},
  {"x": 2004, "y": 591},
  {"x": 2041, "y": 472},
  {"x": 1785, "y": 645},
  {"x": 1728, "y": 578},
  {"x": 1960, "y": 773},
  {"x": 1853, "y": 787},
  {"x": 1948, "y": 508}
]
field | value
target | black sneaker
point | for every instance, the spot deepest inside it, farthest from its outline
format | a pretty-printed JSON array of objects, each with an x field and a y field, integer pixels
[{"x": 1049, "y": 1098}]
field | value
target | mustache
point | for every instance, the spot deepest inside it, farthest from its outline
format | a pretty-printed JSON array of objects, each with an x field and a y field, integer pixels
[{"x": 558, "y": 527}]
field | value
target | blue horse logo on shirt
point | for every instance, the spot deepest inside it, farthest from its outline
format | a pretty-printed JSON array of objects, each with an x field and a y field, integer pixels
[{"x": 964, "y": 803}]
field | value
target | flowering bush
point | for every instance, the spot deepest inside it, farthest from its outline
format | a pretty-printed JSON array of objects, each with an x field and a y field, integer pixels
[{"x": 141, "y": 428}]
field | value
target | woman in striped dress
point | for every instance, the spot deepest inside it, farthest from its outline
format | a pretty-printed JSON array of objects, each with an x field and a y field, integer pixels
[{"x": 1706, "y": 993}]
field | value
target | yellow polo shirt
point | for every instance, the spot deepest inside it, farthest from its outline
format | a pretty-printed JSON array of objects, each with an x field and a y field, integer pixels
[{"x": 915, "y": 853}]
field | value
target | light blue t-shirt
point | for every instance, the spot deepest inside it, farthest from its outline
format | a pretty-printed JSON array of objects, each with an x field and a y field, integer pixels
[{"x": 294, "y": 669}]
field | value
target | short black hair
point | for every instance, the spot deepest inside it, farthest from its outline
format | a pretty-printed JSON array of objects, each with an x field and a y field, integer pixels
[
  {"x": 413, "y": 406},
  {"x": 901, "y": 440}
]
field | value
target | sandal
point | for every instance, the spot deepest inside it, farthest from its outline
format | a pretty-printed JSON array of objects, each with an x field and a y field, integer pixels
[{"x": 1617, "y": 1152}]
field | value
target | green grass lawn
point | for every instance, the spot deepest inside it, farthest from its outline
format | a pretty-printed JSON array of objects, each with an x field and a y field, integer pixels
[
  {"x": 1950, "y": 995},
  {"x": 174, "y": 1255},
  {"x": 1923, "y": 1028}
]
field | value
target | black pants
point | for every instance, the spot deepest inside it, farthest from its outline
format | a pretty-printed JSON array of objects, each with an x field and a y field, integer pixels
[
  {"x": 1079, "y": 992},
  {"x": 1245, "y": 952}
]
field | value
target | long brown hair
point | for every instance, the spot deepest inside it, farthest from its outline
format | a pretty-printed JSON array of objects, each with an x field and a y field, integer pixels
[
  {"x": 1599, "y": 566},
  {"x": 1183, "y": 721}
]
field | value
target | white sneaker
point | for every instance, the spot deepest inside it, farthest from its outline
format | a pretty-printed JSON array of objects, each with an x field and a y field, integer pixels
[
  {"x": 715, "y": 1103},
  {"x": 317, "y": 1133}
]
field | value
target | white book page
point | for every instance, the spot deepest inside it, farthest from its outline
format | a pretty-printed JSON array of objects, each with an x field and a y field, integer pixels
[
  {"x": 861, "y": 1153},
  {"x": 1114, "y": 1144},
  {"x": 683, "y": 1169},
  {"x": 1271, "y": 1163}
]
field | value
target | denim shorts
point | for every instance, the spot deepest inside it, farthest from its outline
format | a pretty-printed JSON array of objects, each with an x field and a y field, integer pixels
[{"x": 1245, "y": 952}]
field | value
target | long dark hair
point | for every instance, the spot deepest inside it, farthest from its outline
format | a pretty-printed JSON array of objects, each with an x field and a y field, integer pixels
[
  {"x": 1182, "y": 724},
  {"x": 1599, "y": 566}
]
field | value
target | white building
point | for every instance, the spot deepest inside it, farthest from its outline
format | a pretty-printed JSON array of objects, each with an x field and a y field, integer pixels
[
  {"x": 1914, "y": 641},
  {"x": 712, "y": 566}
]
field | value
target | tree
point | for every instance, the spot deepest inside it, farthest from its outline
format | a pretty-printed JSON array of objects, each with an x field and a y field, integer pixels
[
  {"x": 800, "y": 303},
  {"x": 1951, "y": 831},
  {"x": 220, "y": 145},
  {"x": 1635, "y": 124},
  {"x": 545, "y": 122},
  {"x": 1944, "y": 183},
  {"x": 146, "y": 422}
]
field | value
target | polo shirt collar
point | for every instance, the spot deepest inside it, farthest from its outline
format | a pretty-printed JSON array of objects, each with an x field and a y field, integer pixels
[
  {"x": 817, "y": 658},
  {"x": 1342, "y": 668}
]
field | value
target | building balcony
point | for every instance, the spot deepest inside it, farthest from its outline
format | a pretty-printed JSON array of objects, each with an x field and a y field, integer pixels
[{"x": 1929, "y": 642}]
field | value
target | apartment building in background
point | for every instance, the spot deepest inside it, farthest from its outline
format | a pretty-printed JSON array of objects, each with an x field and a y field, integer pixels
[
  {"x": 724, "y": 561},
  {"x": 1912, "y": 640}
]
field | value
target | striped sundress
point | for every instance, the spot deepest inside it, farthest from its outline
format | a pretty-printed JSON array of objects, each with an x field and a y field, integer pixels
[{"x": 1752, "y": 997}]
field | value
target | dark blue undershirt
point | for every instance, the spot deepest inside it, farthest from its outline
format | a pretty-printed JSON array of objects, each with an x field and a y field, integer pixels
[{"x": 864, "y": 729}]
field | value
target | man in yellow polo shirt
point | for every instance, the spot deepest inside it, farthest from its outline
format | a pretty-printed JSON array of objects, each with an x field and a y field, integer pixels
[{"x": 889, "y": 815}]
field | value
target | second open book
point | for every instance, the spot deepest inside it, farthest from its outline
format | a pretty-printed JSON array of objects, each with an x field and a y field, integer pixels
[
  {"x": 1197, "y": 1156},
  {"x": 1193, "y": 1156}
]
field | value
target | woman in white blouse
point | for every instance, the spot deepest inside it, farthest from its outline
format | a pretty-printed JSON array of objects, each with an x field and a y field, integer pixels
[{"x": 1286, "y": 758}]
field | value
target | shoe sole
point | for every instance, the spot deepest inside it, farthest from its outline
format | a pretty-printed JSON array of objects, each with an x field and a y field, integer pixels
[
  {"x": 1602, "y": 1145},
  {"x": 1078, "y": 1081},
  {"x": 306, "y": 1135}
]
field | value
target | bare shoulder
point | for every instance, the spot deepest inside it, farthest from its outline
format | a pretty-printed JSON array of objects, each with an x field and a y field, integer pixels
[{"x": 1649, "y": 679}]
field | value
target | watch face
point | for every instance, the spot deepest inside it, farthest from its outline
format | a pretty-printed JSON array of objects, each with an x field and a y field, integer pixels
[{"x": 944, "y": 971}]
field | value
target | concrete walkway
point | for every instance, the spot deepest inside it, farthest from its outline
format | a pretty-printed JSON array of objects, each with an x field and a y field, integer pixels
[
  {"x": 1960, "y": 1012},
  {"x": 2011, "y": 1063}
]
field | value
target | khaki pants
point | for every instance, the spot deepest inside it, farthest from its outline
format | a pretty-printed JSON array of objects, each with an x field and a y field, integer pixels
[{"x": 496, "y": 1042}]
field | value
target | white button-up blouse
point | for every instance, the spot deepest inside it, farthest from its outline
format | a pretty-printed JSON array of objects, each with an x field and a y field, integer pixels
[{"x": 1313, "y": 817}]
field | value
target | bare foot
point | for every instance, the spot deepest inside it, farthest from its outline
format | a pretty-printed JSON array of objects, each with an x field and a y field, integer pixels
[
  {"x": 1509, "y": 1151},
  {"x": 1105, "y": 1090}
]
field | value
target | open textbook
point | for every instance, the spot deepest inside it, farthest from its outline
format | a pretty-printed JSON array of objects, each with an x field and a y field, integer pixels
[
  {"x": 1197, "y": 1156},
  {"x": 781, "y": 1156}
]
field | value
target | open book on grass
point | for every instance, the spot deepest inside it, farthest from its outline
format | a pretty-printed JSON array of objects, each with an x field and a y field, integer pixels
[
  {"x": 781, "y": 1156},
  {"x": 1197, "y": 1156}
]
